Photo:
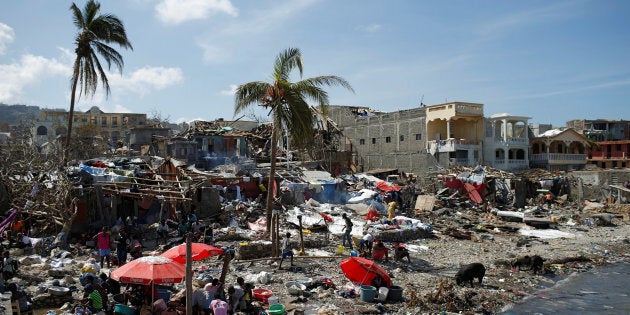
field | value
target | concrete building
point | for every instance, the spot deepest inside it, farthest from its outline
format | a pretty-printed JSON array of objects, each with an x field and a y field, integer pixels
[
  {"x": 602, "y": 129},
  {"x": 387, "y": 141},
  {"x": 113, "y": 126},
  {"x": 558, "y": 150},
  {"x": 609, "y": 154},
  {"x": 455, "y": 133},
  {"x": 506, "y": 142}
]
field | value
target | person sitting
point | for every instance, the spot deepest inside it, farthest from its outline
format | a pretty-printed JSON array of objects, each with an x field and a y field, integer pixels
[
  {"x": 379, "y": 251},
  {"x": 9, "y": 266},
  {"x": 92, "y": 298},
  {"x": 23, "y": 299},
  {"x": 401, "y": 252},
  {"x": 23, "y": 241},
  {"x": 378, "y": 282},
  {"x": 218, "y": 306}
]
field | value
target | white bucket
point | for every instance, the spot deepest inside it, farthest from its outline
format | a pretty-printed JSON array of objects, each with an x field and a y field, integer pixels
[
  {"x": 273, "y": 300},
  {"x": 382, "y": 293}
]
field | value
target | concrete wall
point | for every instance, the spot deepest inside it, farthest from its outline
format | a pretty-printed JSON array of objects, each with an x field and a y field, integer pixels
[{"x": 385, "y": 140}]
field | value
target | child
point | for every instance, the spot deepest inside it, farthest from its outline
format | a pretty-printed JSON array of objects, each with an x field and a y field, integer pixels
[{"x": 287, "y": 251}]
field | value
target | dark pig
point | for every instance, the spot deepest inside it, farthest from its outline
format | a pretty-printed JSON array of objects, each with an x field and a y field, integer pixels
[
  {"x": 537, "y": 264},
  {"x": 469, "y": 273},
  {"x": 522, "y": 263}
]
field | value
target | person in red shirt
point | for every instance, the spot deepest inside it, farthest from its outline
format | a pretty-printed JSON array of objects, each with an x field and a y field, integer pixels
[{"x": 379, "y": 251}]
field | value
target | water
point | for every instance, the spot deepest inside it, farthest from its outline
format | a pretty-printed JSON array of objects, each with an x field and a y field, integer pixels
[{"x": 602, "y": 290}]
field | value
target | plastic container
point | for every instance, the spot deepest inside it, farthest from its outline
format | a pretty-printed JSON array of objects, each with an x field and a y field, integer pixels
[
  {"x": 368, "y": 293},
  {"x": 262, "y": 294},
  {"x": 382, "y": 294},
  {"x": 354, "y": 253},
  {"x": 276, "y": 309},
  {"x": 340, "y": 250},
  {"x": 272, "y": 300},
  {"x": 124, "y": 310},
  {"x": 395, "y": 293}
]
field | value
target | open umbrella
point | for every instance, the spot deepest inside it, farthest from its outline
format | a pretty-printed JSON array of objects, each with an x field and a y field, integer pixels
[
  {"x": 150, "y": 270},
  {"x": 199, "y": 251},
  {"x": 361, "y": 270}
]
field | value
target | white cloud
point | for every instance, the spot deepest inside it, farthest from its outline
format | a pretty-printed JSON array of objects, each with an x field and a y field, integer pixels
[
  {"x": 372, "y": 28},
  {"x": 220, "y": 44},
  {"x": 28, "y": 70},
  {"x": 180, "y": 11},
  {"x": 231, "y": 91},
  {"x": 145, "y": 79},
  {"x": 121, "y": 109},
  {"x": 6, "y": 37}
]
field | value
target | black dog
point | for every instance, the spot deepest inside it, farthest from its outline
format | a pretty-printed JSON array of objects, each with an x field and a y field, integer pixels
[{"x": 469, "y": 273}]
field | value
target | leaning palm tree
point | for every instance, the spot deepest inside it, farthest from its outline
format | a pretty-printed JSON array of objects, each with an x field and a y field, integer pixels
[
  {"x": 287, "y": 105},
  {"x": 96, "y": 31}
]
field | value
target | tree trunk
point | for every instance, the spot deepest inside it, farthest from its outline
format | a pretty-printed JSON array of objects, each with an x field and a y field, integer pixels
[
  {"x": 272, "y": 175},
  {"x": 75, "y": 81}
]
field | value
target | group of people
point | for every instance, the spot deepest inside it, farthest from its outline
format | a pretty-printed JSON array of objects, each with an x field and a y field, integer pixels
[{"x": 213, "y": 299}]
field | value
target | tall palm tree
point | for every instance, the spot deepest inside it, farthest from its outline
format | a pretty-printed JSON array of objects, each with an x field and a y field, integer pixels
[
  {"x": 287, "y": 105},
  {"x": 96, "y": 31}
]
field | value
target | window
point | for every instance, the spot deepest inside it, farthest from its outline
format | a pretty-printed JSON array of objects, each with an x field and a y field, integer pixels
[
  {"x": 115, "y": 121},
  {"x": 361, "y": 141},
  {"x": 418, "y": 136},
  {"x": 373, "y": 140},
  {"x": 388, "y": 139},
  {"x": 402, "y": 138},
  {"x": 618, "y": 146},
  {"x": 104, "y": 121}
]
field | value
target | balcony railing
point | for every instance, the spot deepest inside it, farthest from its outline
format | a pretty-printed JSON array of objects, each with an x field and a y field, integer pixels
[{"x": 557, "y": 157}]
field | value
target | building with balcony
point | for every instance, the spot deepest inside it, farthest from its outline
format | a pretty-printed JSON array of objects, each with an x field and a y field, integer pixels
[
  {"x": 113, "y": 126},
  {"x": 558, "y": 150},
  {"x": 506, "y": 142},
  {"x": 609, "y": 154},
  {"x": 455, "y": 133}
]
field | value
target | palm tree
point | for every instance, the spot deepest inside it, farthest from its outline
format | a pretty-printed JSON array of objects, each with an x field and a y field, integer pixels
[
  {"x": 287, "y": 104},
  {"x": 96, "y": 31}
]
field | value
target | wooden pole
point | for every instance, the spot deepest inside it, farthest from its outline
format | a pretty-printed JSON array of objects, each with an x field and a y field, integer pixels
[
  {"x": 188, "y": 274},
  {"x": 301, "y": 236}
]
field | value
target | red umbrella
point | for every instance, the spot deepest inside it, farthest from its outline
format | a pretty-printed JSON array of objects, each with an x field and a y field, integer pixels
[
  {"x": 199, "y": 251},
  {"x": 361, "y": 270},
  {"x": 150, "y": 270}
]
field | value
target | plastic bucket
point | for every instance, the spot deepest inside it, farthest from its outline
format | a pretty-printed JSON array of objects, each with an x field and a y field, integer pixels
[
  {"x": 124, "y": 310},
  {"x": 382, "y": 294},
  {"x": 368, "y": 293},
  {"x": 276, "y": 309},
  {"x": 395, "y": 293},
  {"x": 273, "y": 300},
  {"x": 354, "y": 253}
]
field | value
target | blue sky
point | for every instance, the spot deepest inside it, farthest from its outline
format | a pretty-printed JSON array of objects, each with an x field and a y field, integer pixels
[{"x": 549, "y": 60}]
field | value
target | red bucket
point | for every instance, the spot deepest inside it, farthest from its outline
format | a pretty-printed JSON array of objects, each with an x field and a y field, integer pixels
[{"x": 262, "y": 294}]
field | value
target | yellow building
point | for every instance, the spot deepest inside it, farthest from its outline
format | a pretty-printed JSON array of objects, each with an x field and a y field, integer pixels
[{"x": 113, "y": 126}]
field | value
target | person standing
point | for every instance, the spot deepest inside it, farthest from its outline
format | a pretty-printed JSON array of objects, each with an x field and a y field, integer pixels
[
  {"x": 122, "y": 243},
  {"x": 347, "y": 231},
  {"x": 162, "y": 231},
  {"x": 102, "y": 242},
  {"x": 287, "y": 251}
]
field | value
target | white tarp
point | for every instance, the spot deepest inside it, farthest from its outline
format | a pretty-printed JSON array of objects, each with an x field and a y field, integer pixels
[{"x": 546, "y": 233}]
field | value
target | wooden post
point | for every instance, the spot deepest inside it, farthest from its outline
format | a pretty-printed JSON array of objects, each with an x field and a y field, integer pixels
[
  {"x": 301, "y": 236},
  {"x": 188, "y": 274},
  {"x": 272, "y": 232}
]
